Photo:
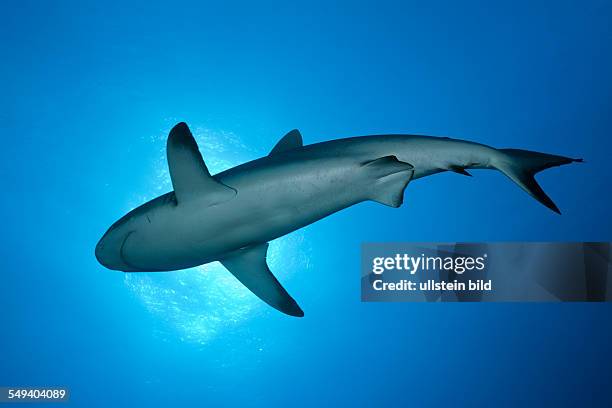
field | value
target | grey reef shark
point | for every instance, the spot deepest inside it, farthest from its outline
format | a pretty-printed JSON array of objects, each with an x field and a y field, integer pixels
[{"x": 231, "y": 216}]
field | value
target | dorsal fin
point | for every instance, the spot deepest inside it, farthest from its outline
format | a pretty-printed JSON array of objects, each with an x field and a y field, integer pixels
[
  {"x": 190, "y": 176},
  {"x": 290, "y": 141}
]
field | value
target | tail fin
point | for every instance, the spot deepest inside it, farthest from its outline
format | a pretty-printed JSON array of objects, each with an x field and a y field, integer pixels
[{"x": 521, "y": 165}]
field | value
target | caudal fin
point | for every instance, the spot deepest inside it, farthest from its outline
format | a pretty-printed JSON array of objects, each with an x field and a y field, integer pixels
[{"x": 522, "y": 165}]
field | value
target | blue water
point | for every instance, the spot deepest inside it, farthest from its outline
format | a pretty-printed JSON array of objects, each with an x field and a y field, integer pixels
[{"x": 88, "y": 94}]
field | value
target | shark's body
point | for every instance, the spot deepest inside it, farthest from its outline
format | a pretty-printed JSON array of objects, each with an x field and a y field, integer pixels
[{"x": 230, "y": 217}]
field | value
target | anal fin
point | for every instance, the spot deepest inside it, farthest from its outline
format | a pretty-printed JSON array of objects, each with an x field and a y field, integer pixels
[{"x": 459, "y": 170}]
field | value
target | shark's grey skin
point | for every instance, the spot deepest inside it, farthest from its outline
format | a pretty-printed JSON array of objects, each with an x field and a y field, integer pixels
[{"x": 231, "y": 216}]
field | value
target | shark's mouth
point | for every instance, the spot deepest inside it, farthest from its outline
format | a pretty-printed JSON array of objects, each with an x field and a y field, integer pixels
[{"x": 129, "y": 267}]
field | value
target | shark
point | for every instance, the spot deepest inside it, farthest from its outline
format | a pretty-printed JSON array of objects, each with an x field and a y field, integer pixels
[{"x": 231, "y": 216}]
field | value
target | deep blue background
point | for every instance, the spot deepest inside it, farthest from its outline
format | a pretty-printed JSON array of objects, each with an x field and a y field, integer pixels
[{"x": 85, "y": 88}]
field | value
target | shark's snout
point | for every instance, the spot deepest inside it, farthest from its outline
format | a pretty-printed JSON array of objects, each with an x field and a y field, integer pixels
[
  {"x": 100, "y": 251},
  {"x": 105, "y": 251},
  {"x": 109, "y": 250}
]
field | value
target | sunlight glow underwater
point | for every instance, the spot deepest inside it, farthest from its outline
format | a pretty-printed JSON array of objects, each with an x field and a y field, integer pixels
[{"x": 202, "y": 302}]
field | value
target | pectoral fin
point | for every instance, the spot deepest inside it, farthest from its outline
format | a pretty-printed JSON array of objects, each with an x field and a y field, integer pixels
[
  {"x": 190, "y": 176},
  {"x": 249, "y": 266}
]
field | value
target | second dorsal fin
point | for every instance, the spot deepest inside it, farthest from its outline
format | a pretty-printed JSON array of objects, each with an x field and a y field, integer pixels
[{"x": 290, "y": 141}]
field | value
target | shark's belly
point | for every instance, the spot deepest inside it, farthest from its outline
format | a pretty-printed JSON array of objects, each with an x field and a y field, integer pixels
[
  {"x": 270, "y": 207},
  {"x": 270, "y": 202},
  {"x": 178, "y": 237},
  {"x": 168, "y": 238}
]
